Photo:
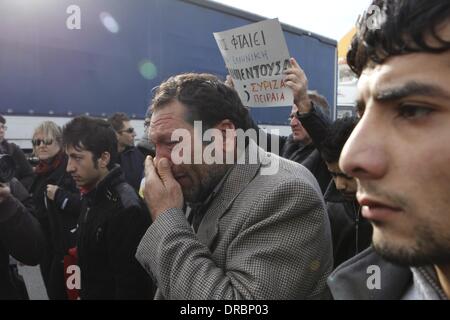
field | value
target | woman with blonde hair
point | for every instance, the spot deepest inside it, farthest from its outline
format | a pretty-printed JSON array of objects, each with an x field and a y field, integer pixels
[{"x": 57, "y": 202}]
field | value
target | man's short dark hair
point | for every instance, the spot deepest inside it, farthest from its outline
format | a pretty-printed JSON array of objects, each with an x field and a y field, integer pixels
[
  {"x": 117, "y": 120},
  {"x": 337, "y": 135},
  {"x": 90, "y": 134},
  {"x": 2, "y": 119},
  {"x": 405, "y": 26},
  {"x": 206, "y": 98}
]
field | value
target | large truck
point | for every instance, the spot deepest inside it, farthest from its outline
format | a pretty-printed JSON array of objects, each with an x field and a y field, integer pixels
[{"x": 62, "y": 58}]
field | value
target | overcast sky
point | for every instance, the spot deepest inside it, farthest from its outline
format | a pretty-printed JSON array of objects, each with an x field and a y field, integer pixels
[{"x": 329, "y": 18}]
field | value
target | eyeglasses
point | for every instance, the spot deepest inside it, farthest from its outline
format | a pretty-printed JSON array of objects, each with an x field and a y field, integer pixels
[
  {"x": 292, "y": 116},
  {"x": 129, "y": 130},
  {"x": 37, "y": 142}
]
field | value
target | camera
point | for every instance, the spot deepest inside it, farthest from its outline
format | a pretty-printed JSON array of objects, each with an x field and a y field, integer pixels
[{"x": 7, "y": 168}]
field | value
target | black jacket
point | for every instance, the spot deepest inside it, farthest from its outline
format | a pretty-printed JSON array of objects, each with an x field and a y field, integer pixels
[
  {"x": 112, "y": 223},
  {"x": 58, "y": 219},
  {"x": 20, "y": 236},
  {"x": 316, "y": 123},
  {"x": 350, "y": 231},
  {"x": 295, "y": 151},
  {"x": 131, "y": 161},
  {"x": 24, "y": 171}
]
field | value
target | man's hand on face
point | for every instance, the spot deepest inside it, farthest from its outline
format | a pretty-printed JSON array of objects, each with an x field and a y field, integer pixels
[
  {"x": 296, "y": 80},
  {"x": 5, "y": 192},
  {"x": 162, "y": 191}
]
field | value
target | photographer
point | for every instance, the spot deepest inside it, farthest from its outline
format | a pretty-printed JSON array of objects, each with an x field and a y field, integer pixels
[
  {"x": 23, "y": 170},
  {"x": 20, "y": 233}
]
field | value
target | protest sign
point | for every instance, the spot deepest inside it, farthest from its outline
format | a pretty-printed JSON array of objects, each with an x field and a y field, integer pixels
[{"x": 256, "y": 56}]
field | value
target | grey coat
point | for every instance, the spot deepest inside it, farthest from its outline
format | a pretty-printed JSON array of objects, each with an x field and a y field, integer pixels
[
  {"x": 368, "y": 276},
  {"x": 262, "y": 237}
]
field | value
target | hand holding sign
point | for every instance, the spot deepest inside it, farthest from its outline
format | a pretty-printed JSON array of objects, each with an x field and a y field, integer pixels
[{"x": 296, "y": 80}]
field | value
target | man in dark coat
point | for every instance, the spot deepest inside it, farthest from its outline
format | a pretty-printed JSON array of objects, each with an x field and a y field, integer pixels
[
  {"x": 130, "y": 159},
  {"x": 113, "y": 218},
  {"x": 20, "y": 236},
  {"x": 24, "y": 171}
]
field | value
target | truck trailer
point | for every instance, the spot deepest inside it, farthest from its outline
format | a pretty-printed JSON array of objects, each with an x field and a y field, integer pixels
[{"x": 63, "y": 58}]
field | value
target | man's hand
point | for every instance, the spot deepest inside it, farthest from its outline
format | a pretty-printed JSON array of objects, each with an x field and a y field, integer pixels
[
  {"x": 162, "y": 191},
  {"x": 229, "y": 81},
  {"x": 51, "y": 191},
  {"x": 5, "y": 192},
  {"x": 296, "y": 80}
]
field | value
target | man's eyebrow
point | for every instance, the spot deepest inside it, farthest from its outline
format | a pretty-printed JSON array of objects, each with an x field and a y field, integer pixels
[
  {"x": 411, "y": 89},
  {"x": 73, "y": 154}
]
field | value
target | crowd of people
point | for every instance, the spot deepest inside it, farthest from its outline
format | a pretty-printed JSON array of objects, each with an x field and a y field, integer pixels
[{"x": 345, "y": 196}]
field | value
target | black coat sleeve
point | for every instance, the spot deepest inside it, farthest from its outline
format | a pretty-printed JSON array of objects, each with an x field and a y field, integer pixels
[
  {"x": 20, "y": 232},
  {"x": 68, "y": 202},
  {"x": 123, "y": 238},
  {"x": 316, "y": 124},
  {"x": 24, "y": 171}
]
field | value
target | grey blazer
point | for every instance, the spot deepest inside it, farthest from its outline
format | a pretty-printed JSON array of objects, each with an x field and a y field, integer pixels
[{"x": 262, "y": 237}]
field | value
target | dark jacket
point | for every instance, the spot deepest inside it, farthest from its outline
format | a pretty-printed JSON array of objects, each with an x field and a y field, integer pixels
[
  {"x": 295, "y": 151},
  {"x": 58, "y": 219},
  {"x": 350, "y": 231},
  {"x": 316, "y": 123},
  {"x": 24, "y": 171},
  {"x": 21, "y": 237},
  {"x": 112, "y": 223},
  {"x": 131, "y": 161}
]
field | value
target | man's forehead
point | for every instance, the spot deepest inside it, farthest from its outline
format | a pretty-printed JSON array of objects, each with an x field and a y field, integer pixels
[
  {"x": 71, "y": 149},
  {"x": 425, "y": 68},
  {"x": 170, "y": 116}
]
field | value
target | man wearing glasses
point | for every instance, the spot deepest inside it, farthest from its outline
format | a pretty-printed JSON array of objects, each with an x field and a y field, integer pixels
[{"x": 130, "y": 158}]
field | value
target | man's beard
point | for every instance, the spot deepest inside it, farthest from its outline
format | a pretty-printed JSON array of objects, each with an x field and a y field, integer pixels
[
  {"x": 210, "y": 176},
  {"x": 428, "y": 248}
]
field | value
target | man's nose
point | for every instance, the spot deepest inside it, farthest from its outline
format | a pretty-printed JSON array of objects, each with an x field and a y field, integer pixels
[
  {"x": 364, "y": 154},
  {"x": 70, "y": 167}
]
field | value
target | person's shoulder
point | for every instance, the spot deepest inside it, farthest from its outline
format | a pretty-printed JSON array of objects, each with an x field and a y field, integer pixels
[
  {"x": 11, "y": 147},
  {"x": 350, "y": 279},
  {"x": 278, "y": 170}
]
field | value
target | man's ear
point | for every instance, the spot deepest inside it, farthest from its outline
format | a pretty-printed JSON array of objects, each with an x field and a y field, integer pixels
[
  {"x": 104, "y": 160},
  {"x": 228, "y": 130}
]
